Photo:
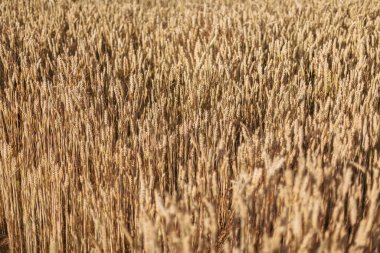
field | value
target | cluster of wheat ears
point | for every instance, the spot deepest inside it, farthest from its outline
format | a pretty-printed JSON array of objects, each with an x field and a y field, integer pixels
[{"x": 190, "y": 126}]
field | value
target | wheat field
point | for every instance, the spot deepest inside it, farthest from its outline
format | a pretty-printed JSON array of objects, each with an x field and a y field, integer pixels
[{"x": 189, "y": 126}]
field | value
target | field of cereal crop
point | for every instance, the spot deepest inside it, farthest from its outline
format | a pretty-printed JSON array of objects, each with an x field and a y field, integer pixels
[{"x": 189, "y": 126}]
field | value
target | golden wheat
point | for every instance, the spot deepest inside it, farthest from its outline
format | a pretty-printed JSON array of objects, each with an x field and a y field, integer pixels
[{"x": 189, "y": 126}]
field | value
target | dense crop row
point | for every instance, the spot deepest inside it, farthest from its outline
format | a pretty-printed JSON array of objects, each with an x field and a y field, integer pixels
[{"x": 190, "y": 126}]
